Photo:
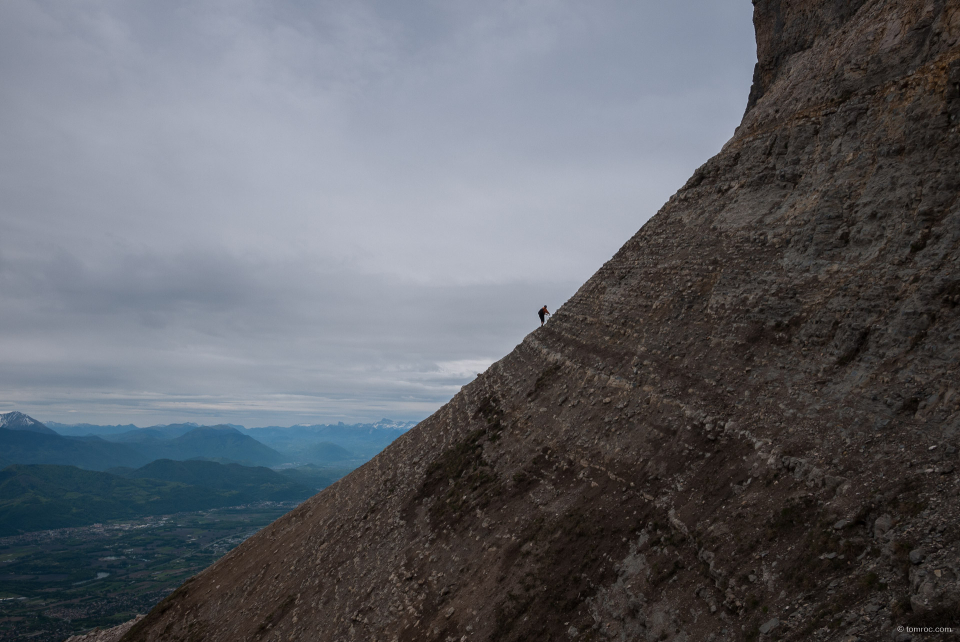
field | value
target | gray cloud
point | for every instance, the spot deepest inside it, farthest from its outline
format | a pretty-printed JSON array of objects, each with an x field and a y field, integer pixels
[{"x": 284, "y": 212}]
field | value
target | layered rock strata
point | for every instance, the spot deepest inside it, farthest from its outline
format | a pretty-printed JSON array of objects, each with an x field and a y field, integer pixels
[{"x": 744, "y": 425}]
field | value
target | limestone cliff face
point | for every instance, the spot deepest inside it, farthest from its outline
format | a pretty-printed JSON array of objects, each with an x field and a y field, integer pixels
[
  {"x": 745, "y": 424},
  {"x": 787, "y": 27}
]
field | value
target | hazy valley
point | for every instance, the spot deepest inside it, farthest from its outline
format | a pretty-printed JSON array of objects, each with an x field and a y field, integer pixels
[{"x": 98, "y": 523}]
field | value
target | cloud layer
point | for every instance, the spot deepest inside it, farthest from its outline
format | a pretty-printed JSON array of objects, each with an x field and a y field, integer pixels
[{"x": 284, "y": 212}]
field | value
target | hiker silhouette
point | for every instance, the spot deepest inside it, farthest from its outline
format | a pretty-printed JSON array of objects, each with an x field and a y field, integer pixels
[{"x": 543, "y": 312}]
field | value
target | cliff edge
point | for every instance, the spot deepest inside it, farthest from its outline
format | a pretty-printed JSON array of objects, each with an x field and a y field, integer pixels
[{"x": 743, "y": 426}]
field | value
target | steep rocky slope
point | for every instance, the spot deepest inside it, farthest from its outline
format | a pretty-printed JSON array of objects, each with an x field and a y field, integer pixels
[{"x": 744, "y": 425}]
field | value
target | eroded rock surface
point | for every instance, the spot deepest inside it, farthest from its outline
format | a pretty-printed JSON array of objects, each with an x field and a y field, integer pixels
[
  {"x": 113, "y": 634},
  {"x": 744, "y": 425}
]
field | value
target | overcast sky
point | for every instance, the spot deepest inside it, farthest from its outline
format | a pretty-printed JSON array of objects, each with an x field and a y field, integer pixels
[{"x": 303, "y": 211}]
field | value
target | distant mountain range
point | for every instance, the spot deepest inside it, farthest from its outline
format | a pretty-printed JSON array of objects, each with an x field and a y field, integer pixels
[
  {"x": 318, "y": 444},
  {"x": 83, "y": 473},
  {"x": 134, "y": 449},
  {"x": 327, "y": 453},
  {"x": 362, "y": 441},
  {"x": 221, "y": 442},
  {"x": 82, "y": 430},
  {"x": 171, "y": 431},
  {"x": 19, "y": 421},
  {"x": 91, "y": 453},
  {"x": 40, "y": 497}
]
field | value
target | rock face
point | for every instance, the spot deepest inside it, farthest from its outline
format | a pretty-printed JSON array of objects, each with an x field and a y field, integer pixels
[
  {"x": 112, "y": 634},
  {"x": 745, "y": 424}
]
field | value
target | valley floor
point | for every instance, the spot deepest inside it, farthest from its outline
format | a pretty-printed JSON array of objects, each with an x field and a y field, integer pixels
[{"x": 60, "y": 582}]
